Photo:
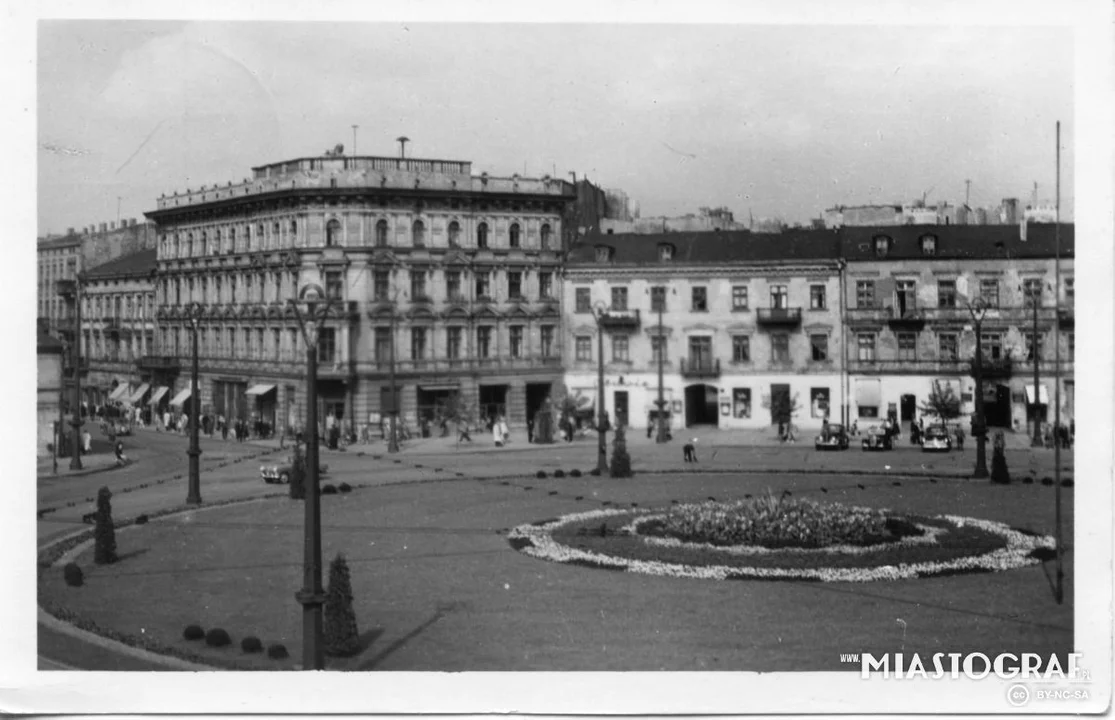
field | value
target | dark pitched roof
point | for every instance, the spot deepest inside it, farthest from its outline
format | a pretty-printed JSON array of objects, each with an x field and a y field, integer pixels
[
  {"x": 139, "y": 263},
  {"x": 710, "y": 248},
  {"x": 959, "y": 242},
  {"x": 47, "y": 343}
]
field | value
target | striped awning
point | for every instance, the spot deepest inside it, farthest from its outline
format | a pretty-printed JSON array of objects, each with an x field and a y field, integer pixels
[
  {"x": 158, "y": 395},
  {"x": 135, "y": 397},
  {"x": 1043, "y": 395},
  {"x": 119, "y": 392},
  {"x": 259, "y": 389},
  {"x": 181, "y": 397}
]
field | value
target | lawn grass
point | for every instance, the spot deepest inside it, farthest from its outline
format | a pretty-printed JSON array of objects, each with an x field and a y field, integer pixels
[{"x": 437, "y": 588}]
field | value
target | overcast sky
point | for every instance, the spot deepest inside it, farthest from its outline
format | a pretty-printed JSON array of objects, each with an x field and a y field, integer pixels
[{"x": 780, "y": 121}]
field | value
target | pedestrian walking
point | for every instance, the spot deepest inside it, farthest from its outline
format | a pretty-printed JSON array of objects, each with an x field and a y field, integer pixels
[
  {"x": 959, "y": 438},
  {"x": 86, "y": 442}
]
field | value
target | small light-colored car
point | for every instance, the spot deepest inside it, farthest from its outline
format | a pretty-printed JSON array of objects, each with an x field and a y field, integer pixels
[
  {"x": 937, "y": 438},
  {"x": 837, "y": 439},
  {"x": 281, "y": 472}
]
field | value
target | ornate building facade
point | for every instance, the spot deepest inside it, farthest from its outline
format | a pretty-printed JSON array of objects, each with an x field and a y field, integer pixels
[
  {"x": 448, "y": 278},
  {"x": 908, "y": 292},
  {"x": 747, "y": 323},
  {"x": 118, "y": 331}
]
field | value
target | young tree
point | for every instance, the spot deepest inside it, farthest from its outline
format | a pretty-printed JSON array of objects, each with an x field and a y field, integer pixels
[
  {"x": 783, "y": 409},
  {"x": 621, "y": 460},
  {"x": 342, "y": 638},
  {"x": 942, "y": 403},
  {"x": 999, "y": 472},
  {"x": 104, "y": 533},
  {"x": 458, "y": 411}
]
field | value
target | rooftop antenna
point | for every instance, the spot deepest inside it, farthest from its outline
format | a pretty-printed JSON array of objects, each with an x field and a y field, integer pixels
[
  {"x": 354, "y": 127},
  {"x": 402, "y": 140},
  {"x": 1035, "y": 204},
  {"x": 968, "y": 193},
  {"x": 925, "y": 194}
]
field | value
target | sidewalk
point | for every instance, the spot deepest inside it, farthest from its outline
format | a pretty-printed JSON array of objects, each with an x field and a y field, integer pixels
[{"x": 90, "y": 464}]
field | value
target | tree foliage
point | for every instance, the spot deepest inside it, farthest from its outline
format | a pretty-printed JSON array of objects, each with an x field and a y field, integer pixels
[
  {"x": 621, "y": 460},
  {"x": 104, "y": 533},
  {"x": 784, "y": 408},
  {"x": 342, "y": 637},
  {"x": 942, "y": 403}
]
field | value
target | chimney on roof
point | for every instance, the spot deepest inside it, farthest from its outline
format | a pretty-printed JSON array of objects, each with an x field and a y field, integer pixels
[
  {"x": 70, "y": 231},
  {"x": 104, "y": 227},
  {"x": 112, "y": 225},
  {"x": 131, "y": 222}
]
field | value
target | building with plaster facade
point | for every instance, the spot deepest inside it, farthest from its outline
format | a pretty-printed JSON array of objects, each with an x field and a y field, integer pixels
[
  {"x": 49, "y": 360},
  {"x": 908, "y": 323},
  {"x": 118, "y": 332},
  {"x": 745, "y": 320},
  {"x": 450, "y": 276}
]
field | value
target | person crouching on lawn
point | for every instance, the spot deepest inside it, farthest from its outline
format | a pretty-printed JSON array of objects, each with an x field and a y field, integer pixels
[{"x": 690, "y": 450}]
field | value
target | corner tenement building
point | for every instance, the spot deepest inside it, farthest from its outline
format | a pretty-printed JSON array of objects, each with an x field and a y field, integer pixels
[{"x": 458, "y": 274}]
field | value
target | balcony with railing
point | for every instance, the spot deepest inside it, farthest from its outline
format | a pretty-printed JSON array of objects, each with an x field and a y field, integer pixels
[
  {"x": 992, "y": 368},
  {"x": 1066, "y": 317},
  {"x": 907, "y": 318},
  {"x": 620, "y": 320},
  {"x": 158, "y": 362},
  {"x": 779, "y": 317},
  {"x": 698, "y": 368}
]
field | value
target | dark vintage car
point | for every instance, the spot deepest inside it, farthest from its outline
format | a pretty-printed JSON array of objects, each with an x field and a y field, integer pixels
[
  {"x": 837, "y": 439},
  {"x": 280, "y": 472},
  {"x": 937, "y": 438},
  {"x": 877, "y": 438}
]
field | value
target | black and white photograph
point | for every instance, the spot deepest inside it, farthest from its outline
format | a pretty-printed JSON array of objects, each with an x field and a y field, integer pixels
[{"x": 469, "y": 358}]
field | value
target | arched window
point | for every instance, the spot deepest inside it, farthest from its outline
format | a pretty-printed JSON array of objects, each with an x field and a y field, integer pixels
[
  {"x": 419, "y": 233},
  {"x": 189, "y": 244},
  {"x": 232, "y": 241},
  {"x": 204, "y": 243},
  {"x": 381, "y": 233},
  {"x": 454, "y": 233},
  {"x": 545, "y": 236},
  {"x": 482, "y": 235},
  {"x": 514, "y": 235},
  {"x": 332, "y": 233}
]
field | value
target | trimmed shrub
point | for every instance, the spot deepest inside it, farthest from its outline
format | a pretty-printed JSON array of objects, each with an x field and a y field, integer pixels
[
  {"x": 621, "y": 460},
  {"x": 574, "y": 473},
  {"x": 328, "y": 489},
  {"x": 341, "y": 634},
  {"x": 73, "y": 575},
  {"x": 141, "y": 520},
  {"x": 277, "y": 651},
  {"x": 217, "y": 638},
  {"x": 193, "y": 632},
  {"x": 595, "y": 472},
  {"x": 541, "y": 474},
  {"x": 344, "y": 487},
  {"x": 251, "y": 644},
  {"x": 1067, "y": 482},
  {"x": 559, "y": 473},
  {"x": 104, "y": 551},
  {"x": 1047, "y": 480},
  {"x": 1027, "y": 481},
  {"x": 999, "y": 472}
]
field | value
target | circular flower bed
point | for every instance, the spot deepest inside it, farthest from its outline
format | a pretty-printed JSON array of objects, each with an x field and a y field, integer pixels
[{"x": 761, "y": 540}]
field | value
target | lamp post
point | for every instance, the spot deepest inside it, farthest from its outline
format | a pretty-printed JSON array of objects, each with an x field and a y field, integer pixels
[
  {"x": 312, "y": 595},
  {"x": 1060, "y": 588},
  {"x": 1034, "y": 296},
  {"x": 602, "y": 416},
  {"x": 393, "y": 441},
  {"x": 70, "y": 290},
  {"x": 662, "y": 433},
  {"x": 193, "y": 492},
  {"x": 978, "y": 309}
]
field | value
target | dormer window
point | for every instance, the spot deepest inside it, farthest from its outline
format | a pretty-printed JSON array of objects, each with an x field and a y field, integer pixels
[
  {"x": 665, "y": 252},
  {"x": 929, "y": 245},
  {"x": 882, "y": 246},
  {"x": 603, "y": 253}
]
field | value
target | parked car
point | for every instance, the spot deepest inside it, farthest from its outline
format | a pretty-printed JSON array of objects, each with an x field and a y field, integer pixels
[
  {"x": 937, "y": 439},
  {"x": 281, "y": 472},
  {"x": 877, "y": 438},
  {"x": 837, "y": 439}
]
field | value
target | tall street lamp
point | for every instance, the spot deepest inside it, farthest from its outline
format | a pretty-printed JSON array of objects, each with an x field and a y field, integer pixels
[
  {"x": 193, "y": 493},
  {"x": 1033, "y": 295},
  {"x": 978, "y": 309},
  {"x": 602, "y": 416},
  {"x": 660, "y": 305},
  {"x": 393, "y": 441},
  {"x": 70, "y": 290},
  {"x": 311, "y": 314}
]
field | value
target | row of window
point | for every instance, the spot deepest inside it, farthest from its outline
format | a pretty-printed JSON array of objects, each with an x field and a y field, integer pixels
[
  {"x": 928, "y": 244},
  {"x": 906, "y": 292},
  {"x": 135, "y": 306},
  {"x": 700, "y": 348},
  {"x": 264, "y": 287},
  {"x": 204, "y": 243},
  {"x": 273, "y": 344},
  {"x": 699, "y": 299}
]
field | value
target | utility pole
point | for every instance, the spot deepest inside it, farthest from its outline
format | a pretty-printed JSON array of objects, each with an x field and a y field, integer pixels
[
  {"x": 967, "y": 193},
  {"x": 1035, "y": 299},
  {"x": 354, "y": 127},
  {"x": 402, "y": 140},
  {"x": 1060, "y": 592}
]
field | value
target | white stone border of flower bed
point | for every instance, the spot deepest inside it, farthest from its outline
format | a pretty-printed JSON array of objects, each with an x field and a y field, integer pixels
[{"x": 1016, "y": 554}]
